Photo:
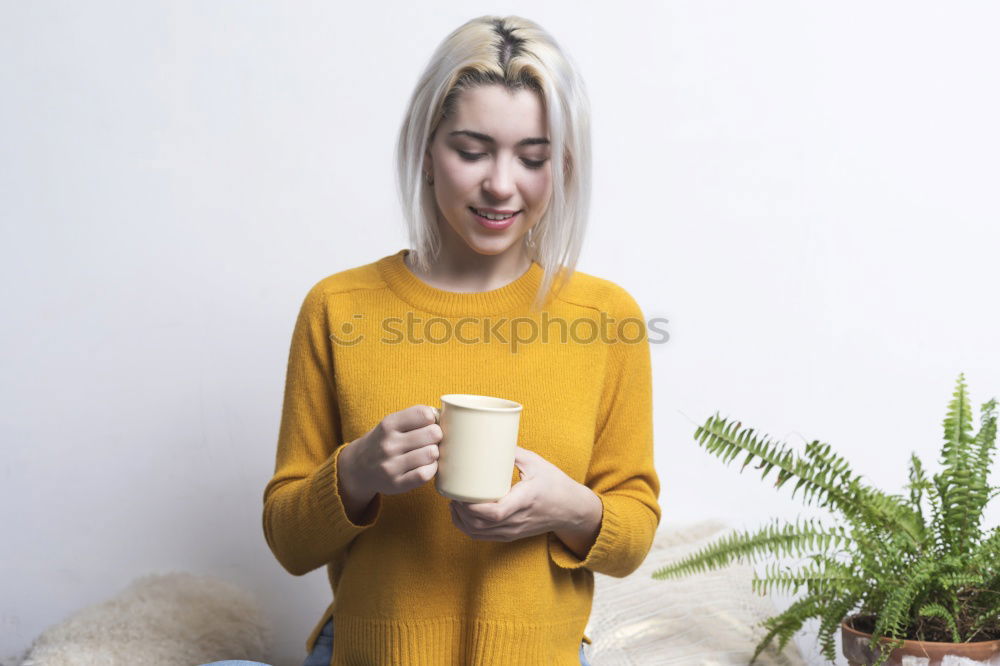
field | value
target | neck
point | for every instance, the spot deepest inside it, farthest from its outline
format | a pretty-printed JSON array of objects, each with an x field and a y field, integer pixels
[{"x": 470, "y": 271}]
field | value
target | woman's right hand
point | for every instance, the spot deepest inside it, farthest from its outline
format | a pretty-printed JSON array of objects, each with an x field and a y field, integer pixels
[{"x": 400, "y": 453}]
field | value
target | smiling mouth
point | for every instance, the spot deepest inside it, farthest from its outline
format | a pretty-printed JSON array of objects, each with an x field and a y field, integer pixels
[
  {"x": 501, "y": 218},
  {"x": 499, "y": 225}
]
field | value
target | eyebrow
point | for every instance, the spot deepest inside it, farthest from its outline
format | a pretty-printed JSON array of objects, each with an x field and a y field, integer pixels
[{"x": 532, "y": 141}]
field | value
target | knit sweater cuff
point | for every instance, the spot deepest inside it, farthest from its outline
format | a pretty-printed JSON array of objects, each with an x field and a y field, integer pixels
[
  {"x": 602, "y": 553},
  {"x": 325, "y": 493}
]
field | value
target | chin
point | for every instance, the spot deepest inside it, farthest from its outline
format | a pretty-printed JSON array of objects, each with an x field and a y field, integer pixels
[
  {"x": 490, "y": 250},
  {"x": 491, "y": 246}
]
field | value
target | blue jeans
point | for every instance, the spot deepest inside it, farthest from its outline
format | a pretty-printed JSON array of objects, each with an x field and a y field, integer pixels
[{"x": 323, "y": 650}]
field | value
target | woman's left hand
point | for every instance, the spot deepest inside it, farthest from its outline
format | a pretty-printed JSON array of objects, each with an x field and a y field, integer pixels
[{"x": 544, "y": 500}]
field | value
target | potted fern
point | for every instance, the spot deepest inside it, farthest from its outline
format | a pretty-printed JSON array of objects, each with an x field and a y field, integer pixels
[{"x": 899, "y": 575}]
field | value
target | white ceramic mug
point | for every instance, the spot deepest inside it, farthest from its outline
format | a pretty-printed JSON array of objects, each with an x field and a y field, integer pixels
[{"x": 479, "y": 438}]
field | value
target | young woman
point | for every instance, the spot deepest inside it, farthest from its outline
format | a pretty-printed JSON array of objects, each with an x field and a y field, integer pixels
[{"x": 494, "y": 176}]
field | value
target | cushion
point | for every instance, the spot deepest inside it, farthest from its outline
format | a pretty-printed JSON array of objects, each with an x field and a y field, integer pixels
[{"x": 174, "y": 619}]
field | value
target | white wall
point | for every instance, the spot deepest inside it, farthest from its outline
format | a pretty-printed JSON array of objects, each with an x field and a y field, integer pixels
[{"x": 806, "y": 191}]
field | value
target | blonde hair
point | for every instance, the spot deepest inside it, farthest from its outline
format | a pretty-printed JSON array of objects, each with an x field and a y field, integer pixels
[{"x": 517, "y": 54}]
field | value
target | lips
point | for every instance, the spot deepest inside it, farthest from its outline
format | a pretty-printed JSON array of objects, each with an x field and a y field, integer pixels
[{"x": 494, "y": 224}]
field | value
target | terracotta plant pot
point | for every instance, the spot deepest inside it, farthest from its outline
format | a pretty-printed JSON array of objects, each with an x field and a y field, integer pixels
[{"x": 915, "y": 653}]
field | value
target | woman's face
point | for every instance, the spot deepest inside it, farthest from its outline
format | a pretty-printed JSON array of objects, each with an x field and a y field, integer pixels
[{"x": 492, "y": 153}]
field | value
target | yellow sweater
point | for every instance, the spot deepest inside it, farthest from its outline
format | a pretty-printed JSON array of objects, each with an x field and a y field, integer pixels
[{"x": 409, "y": 587}]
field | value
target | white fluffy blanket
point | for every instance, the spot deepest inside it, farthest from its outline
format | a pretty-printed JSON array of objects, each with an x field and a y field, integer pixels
[
  {"x": 706, "y": 619},
  {"x": 175, "y": 619}
]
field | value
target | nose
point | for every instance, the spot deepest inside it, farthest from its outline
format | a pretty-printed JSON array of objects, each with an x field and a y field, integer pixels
[{"x": 499, "y": 182}]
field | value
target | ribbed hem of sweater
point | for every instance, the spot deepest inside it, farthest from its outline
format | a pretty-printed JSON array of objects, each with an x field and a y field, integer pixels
[{"x": 361, "y": 641}]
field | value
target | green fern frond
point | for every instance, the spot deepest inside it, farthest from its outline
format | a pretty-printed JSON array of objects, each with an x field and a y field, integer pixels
[
  {"x": 990, "y": 615},
  {"x": 986, "y": 553},
  {"x": 784, "y": 625},
  {"x": 822, "y": 575},
  {"x": 889, "y": 511},
  {"x": 937, "y": 610},
  {"x": 894, "y": 615},
  {"x": 957, "y": 427},
  {"x": 960, "y": 579},
  {"x": 917, "y": 486},
  {"x": 986, "y": 437},
  {"x": 788, "y": 539},
  {"x": 957, "y": 482},
  {"x": 833, "y": 614},
  {"x": 823, "y": 476},
  {"x": 939, "y": 533},
  {"x": 984, "y": 447}
]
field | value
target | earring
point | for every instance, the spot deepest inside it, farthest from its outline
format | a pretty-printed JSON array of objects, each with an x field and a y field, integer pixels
[
  {"x": 429, "y": 177},
  {"x": 528, "y": 238}
]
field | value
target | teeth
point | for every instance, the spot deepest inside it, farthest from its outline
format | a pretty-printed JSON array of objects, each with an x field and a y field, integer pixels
[{"x": 491, "y": 216}]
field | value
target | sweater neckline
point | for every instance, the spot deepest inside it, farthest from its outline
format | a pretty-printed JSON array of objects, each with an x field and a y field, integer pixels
[{"x": 417, "y": 293}]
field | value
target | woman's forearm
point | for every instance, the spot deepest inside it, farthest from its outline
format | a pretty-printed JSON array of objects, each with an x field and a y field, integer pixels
[{"x": 581, "y": 534}]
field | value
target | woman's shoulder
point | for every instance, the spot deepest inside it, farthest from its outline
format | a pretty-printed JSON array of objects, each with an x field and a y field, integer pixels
[
  {"x": 602, "y": 294},
  {"x": 342, "y": 289},
  {"x": 366, "y": 276}
]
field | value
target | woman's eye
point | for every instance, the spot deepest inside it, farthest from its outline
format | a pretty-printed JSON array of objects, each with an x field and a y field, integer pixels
[{"x": 472, "y": 157}]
